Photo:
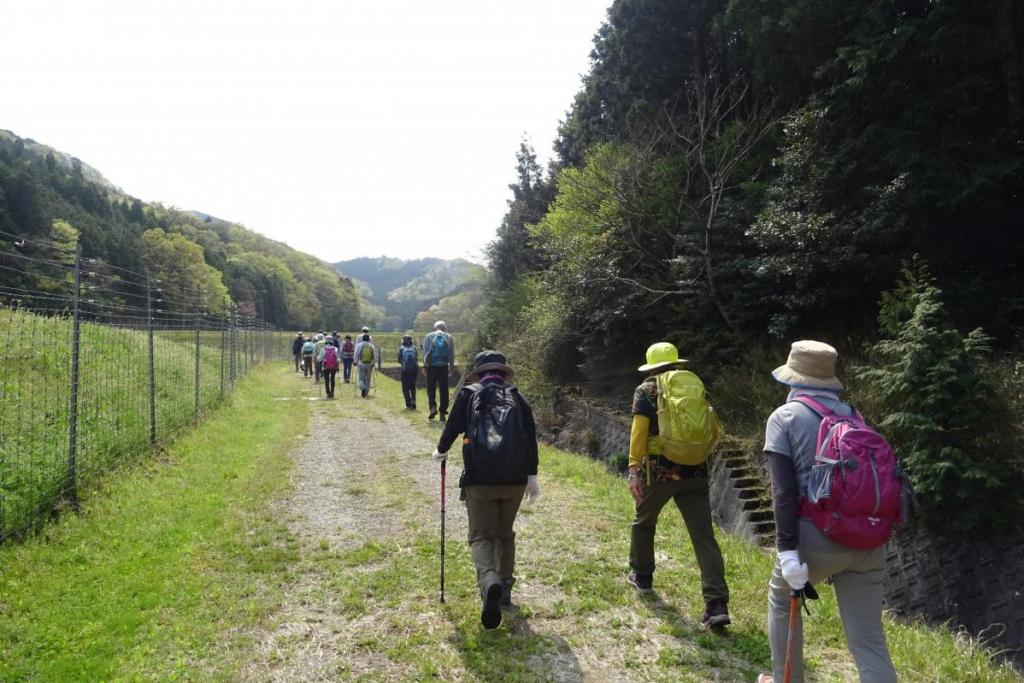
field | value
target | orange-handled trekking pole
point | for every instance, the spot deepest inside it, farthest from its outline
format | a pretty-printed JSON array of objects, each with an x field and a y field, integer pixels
[
  {"x": 794, "y": 612},
  {"x": 796, "y": 598}
]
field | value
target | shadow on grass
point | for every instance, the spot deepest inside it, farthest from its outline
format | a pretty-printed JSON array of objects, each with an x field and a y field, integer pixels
[
  {"x": 513, "y": 651},
  {"x": 710, "y": 648}
]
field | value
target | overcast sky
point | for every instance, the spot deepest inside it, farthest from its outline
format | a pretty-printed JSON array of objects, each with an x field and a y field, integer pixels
[{"x": 342, "y": 128}]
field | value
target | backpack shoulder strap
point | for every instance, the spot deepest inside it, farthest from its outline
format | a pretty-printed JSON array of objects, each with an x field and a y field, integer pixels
[{"x": 817, "y": 406}]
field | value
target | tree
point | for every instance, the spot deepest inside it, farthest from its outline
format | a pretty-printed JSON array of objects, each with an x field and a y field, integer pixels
[{"x": 186, "y": 279}]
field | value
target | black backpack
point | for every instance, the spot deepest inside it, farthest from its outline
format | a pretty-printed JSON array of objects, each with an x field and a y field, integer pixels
[{"x": 496, "y": 448}]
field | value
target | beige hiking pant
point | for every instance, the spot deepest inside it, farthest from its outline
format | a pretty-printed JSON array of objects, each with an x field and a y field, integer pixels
[
  {"x": 857, "y": 576},
  {"x": 492, "y": 542}
]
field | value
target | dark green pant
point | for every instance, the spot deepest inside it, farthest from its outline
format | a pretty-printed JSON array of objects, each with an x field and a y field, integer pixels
[
  {"x": 492, "y": 542},
  {"x": 692, "y": 498}
]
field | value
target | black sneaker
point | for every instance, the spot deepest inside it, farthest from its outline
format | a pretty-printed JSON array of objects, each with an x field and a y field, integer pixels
[
  {"x": 716, "y": 614},
  {"x": 444, "y": 417},
  {"x": 641, "y": 583},
  {"x": 490, "y": 616},
  {"x": 433, "y": 414}
]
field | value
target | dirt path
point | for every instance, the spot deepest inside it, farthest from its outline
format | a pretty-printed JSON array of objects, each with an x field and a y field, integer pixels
[{"x": 361, "y": 603}]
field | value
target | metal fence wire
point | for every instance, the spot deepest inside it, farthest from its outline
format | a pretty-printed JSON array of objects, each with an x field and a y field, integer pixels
[{"x": 97, "y": 366}]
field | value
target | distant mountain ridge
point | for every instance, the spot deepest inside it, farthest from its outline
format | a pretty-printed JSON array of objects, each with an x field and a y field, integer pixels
[{"x": 403, "y": 288}]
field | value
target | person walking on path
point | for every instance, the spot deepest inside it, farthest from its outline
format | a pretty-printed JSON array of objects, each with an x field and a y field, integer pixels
[
  {"x": 658, "y": 472},
  {"x": 320, "y": 342},
  {"x": 308, "y": 356},
  {"x": 805, "y": 554},
  {"x": 438, "y": 361},
  {"x": 408, "y": 360},
  {"x": 329, "y": 362},
  {"x": 366, "y": 355},
  {"x": 499, "y": 456},
  {"x": 297, "y": 350},
  {"x": 335, "y": 340},
  {"x": 348, "y": 355}
]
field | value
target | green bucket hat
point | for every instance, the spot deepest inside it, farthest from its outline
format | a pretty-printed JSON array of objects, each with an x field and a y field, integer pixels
[{"x": 661, "y": 355}]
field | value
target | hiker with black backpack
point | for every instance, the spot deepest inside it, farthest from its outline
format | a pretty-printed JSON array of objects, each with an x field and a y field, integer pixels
[
  {"x": 499, "y": 456},
  {"x": 837, "y": 492},
  {"x": 297, "y": 350},
  {"x": 408, "y": 360},
  {"x": 674, "y": 431},
  {"x": 438, "y": 361},
  {"x": 328, "y": 360},
  {"x": 365, "y": 354}
]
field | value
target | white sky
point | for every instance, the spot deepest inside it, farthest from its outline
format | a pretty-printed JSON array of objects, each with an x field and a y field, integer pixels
[{"x": 342, "y": 128}]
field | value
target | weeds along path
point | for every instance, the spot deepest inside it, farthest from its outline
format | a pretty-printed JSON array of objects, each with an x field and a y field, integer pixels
[{"x": 364, "y": 605}]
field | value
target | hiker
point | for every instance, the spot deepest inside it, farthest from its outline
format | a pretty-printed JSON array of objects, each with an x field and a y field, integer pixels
[
  {"x": 805, "y": 554},
  {"x": 297, "y": 349},
  {"x": 499, "y": 456},
  {"x": 365, "y": 354},
  {"x": 320, "y": 342},
  {"x": 308, "y": 353},
  {"x": 438, "y": 361},
  {"x": 329, "y": 362},
  {"x": 669, "y": 462},
  {"x": 408, "y": 360},
  {"x": 335, "y": 340},
  {"x": 348, "y": 354}
]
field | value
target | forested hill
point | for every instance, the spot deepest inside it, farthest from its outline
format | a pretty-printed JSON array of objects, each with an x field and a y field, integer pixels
[
  {"x": 50, "y": 197},
  {"x": 402, "y": 289}
]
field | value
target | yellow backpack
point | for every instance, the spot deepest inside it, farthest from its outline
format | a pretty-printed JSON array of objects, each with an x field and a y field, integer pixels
[{"x": 688, "y": 428}]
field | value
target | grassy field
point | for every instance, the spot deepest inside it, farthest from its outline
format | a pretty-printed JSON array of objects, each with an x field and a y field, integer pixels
[
  {"x": 113, "y": 402},
  {"x": 147, "y": 586}
]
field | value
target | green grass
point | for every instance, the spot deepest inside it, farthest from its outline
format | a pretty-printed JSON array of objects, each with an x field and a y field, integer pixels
[
  {"x": 113, "y": 403},
  {"x": 162, "y": 566},
  {"x": 147, "y": 586}
]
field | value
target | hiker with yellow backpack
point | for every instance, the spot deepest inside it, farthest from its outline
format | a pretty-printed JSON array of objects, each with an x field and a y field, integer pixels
[{"x": 674, "y": 431}]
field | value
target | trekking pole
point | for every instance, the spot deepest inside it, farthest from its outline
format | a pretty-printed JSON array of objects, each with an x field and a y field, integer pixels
[
  {"x": 443, "y": 476},
  {"x": 796, "y": 598}
]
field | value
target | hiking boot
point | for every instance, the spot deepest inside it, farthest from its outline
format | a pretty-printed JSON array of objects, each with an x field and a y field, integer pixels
[
  {"x": 490, "y": 616},
  {"x": 641, "y": 583},
  {"x": 444, "y": 417},
  {"x": 716, "y": 614},
  {"x": 506, "y": 592},
  {"x": 433, "y": 414}
]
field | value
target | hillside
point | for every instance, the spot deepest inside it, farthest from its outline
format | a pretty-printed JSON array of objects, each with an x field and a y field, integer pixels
[
  {"x": 53, "y": 199},
  {"x": 402, "y": 289}
]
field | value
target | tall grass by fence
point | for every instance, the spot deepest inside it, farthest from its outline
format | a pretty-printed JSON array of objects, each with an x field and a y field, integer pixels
[{"x": 97, "y": 365}]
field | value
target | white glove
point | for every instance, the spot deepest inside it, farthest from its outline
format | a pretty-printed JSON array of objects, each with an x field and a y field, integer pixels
[
  {"x": 438, "y": 456},
  {"x": 532, "y": 488},
  {"x": 793, "y": 570}
]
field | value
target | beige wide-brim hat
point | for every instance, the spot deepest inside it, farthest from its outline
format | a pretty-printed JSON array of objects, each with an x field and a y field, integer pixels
[{"x": 811, "y": 365}]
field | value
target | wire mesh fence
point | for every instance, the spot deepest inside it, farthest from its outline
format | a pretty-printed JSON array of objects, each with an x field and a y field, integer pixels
[{"x": 97, "y": 365}]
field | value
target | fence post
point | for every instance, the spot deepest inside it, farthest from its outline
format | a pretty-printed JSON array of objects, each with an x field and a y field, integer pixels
[
  {"x": 234, "y": 335},
  {"x": 71, "y": 486},
  {"x": 223, "y": 349},
  {"x": 152, "y": 363},
  {"x": 197, "y": 361}
]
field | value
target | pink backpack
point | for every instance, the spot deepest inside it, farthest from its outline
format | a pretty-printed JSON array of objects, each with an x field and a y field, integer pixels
[
  {"x": 330, "y": 357},
  {"x": 854, "y": 493}
]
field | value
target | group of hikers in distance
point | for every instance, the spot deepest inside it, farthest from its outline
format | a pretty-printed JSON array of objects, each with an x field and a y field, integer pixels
[
  {"x": 837, "y": 490},
  {"x": 321, "y": 355}
]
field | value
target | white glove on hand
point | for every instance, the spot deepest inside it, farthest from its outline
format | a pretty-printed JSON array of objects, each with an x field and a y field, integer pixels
[
  {"x": 793, "y": 570},
  {"x": 438, "y": 456},
  {"x": 532, "y": 488}
]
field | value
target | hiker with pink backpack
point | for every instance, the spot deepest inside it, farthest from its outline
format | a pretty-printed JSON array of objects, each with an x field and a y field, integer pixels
[
  {"x": 836, "y": 490},
  {"x": 329, "y": 360}
]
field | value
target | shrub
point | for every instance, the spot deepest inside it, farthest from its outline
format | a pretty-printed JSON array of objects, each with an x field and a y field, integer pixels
[{"x": 941, "y": 411}]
